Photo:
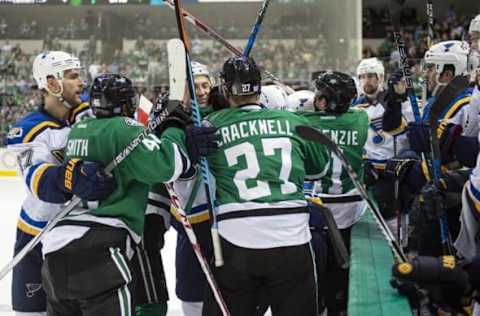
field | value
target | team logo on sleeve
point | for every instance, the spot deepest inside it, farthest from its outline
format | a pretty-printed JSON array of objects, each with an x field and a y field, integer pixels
[{"x": 15, "y": 132}]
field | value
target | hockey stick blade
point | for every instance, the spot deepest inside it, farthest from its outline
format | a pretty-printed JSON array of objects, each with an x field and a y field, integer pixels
[
  {"x": 312, "y": 134},
  {"x": 177, "y": 69}
]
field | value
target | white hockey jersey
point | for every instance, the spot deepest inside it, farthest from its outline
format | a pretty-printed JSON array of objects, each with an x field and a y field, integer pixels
[
  {"x": 381, "y": 145},
  {"x": 39, "y": 140},
  {"x": 473, "y": 127}
]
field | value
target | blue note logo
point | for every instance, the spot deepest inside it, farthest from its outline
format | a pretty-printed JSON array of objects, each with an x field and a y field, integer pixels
[
  {"x": 32, "y": 289},
  {"x": 447, "y": 46}
]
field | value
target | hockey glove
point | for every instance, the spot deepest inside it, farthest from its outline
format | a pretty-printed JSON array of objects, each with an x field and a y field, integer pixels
[
  {"x": 85, "y": 179},
  {"x": 441, "y": 271},
  {"x": 200, "y": 141},
  {"x": 433, "y": 201},
  {"x": 396, "y": 92},
  {"x": 418, "y": 134},
  {"x": 179, "y": 118},
  {"x": 398, "y": 168},
  {"x": 217, "y": 99}
]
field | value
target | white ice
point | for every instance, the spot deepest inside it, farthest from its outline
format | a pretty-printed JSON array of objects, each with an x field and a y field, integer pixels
[{"x": 12, "y": 192}]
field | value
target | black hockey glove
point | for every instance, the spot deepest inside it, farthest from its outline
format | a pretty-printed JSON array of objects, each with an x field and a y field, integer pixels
[
  {"x": 442, "y": 271},
  {"x": 85, "y": 179},
  {"x": 398, "y": 167},
  {"x": 178, "y": 118},
  {"x": 200, "y": 141},
  {"x": 418, "y": 134},
  {"x": 217, "y": 100},
  {"x": 396, "y": 92},
  {"x": 433, "y": 201}
]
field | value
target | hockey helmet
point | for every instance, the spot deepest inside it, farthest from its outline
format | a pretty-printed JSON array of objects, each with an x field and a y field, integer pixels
[
  {"x": 371, "y": 66},
  {"x": 113, "y": 95},
  {"x": 240, "y": 76},
  {"x": 53, "y": 63},
  {"x": 454, "y": 53},
  {"x": 199, "y": 69},
  {"x": 301, "y": 101},
  {"x": 337, "y": 88},
  {"x": 273, "y": 97},
  {"x": 474, "y": 24}
]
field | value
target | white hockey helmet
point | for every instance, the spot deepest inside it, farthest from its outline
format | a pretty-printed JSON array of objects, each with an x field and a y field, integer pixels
[
  {"x": 371, "y": 66},
  {"x": 53, "y": 63},
  {"x": 453, "y": 53},
  {"x": 273, "y": 97},
  {"x": 301, "y": 101},
  {"x": 474, "y": 24},
  {"x": 199, "y": 69}
]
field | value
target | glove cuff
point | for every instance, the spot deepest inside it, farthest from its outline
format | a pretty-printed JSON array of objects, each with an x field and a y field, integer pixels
[{"x": 68, "y": 175}]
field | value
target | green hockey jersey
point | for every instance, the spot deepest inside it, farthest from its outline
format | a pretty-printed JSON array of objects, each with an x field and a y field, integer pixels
[
  {"x": 154, "y": 160},
  {"x": 259, "y": 172},
  {"x": 349, "y": 131}
]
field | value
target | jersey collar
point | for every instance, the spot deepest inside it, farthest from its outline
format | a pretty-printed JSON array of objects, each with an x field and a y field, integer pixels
[{"x": 250, "y": 107}]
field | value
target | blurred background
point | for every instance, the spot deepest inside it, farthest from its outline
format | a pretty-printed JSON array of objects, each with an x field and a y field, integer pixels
[{"x": 297, "y": 38}]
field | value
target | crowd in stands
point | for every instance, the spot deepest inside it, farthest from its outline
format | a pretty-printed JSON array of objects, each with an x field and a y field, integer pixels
[{"x": 146, "y": 64}]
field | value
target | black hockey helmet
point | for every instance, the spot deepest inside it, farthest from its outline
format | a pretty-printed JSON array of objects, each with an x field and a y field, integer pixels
[
  {"x": 240, "y": 77},
  {"x": 337, "y": 88},
  {"x": 113, "y": 95}
]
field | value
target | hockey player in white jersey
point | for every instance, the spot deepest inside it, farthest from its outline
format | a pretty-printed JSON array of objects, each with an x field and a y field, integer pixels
[
  {"x": 380, "y": 145},
  {"x": 39, "y": 139},
  {"x": 383, "y": 141},
  {"x": 301, "y": 101}
]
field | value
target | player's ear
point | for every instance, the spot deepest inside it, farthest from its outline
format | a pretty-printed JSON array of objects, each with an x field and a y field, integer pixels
[{"x": 53, "y": 85}]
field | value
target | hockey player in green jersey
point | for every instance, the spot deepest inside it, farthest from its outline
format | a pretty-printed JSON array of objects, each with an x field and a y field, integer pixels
[
  {"x": 259, "y": 172},
  {"x": 348, "y": 128},
  {"x": 87, "y": 269}
]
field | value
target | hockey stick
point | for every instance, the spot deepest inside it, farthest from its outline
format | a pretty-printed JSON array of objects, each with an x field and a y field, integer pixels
[
  {"x": 339, "y": 250},
  {"x": 315, "y": 135},
  {"x": 430, "y": 20},
  {"x": 177, "y": 90},
  {"x": 197, "y": 120},
  {"x": 437, "y": 110},
  {"x": 407, "y": 74},
  {"x": 198, "y": 251},
  {"x": 214, "y": 35},
  {"x": 256, "y": 28},
  {"x": 404, "y": 65}
]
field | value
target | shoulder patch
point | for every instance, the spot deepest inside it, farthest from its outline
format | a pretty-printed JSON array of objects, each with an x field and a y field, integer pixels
[
  {"x": 15, "y": 132},
  {"x": 132, "y": 122}
]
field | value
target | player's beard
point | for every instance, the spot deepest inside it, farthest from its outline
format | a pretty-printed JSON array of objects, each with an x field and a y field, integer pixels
[{"x": 369, "y": 89}]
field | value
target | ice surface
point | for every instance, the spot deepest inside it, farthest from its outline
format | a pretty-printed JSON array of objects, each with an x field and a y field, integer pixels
[{"x": 12, "y": 192}]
